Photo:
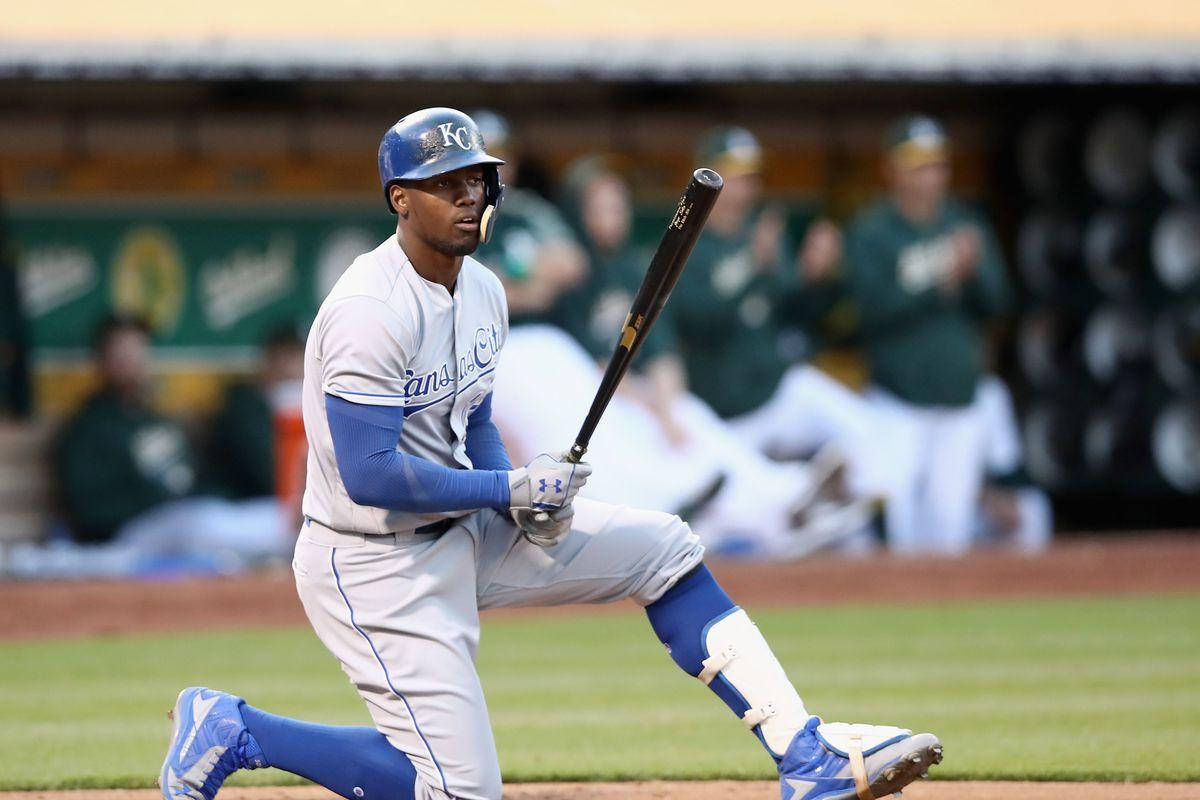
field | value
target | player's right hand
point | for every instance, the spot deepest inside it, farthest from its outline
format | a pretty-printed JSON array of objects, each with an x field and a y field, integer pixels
[
  {"x": 544, "y": 528},
  {"x": 546, "y": 483}
]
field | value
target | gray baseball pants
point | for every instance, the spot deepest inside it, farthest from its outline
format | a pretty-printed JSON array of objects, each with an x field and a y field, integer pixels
[{"x": 401, "y": 614}]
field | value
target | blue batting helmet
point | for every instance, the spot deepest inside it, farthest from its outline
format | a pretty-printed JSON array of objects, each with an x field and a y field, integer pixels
[{"x": 434, "y": 141}]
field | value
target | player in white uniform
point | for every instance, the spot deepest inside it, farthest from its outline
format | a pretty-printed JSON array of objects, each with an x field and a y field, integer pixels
[{"x": 415, "y": 520}]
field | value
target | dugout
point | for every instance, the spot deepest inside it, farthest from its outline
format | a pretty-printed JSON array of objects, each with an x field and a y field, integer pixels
[{"x": 211, "y": 176}]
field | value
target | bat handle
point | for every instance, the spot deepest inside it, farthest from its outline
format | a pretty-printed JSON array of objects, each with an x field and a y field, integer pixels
[{"x": 574, "y": 456}]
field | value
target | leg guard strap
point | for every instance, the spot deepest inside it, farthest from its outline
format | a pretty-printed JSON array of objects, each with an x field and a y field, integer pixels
[
  {"x": 716, "y": 662},
  {"x": 757, "y": 716}
]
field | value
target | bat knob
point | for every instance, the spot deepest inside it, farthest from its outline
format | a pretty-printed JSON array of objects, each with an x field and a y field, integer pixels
[{"x": 708, "y": 177}]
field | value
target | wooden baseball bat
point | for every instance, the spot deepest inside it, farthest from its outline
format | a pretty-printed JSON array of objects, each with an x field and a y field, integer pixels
[{"x": 664, "y": 270}]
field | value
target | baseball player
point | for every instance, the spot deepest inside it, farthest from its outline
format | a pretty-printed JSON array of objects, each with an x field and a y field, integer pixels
[
  {"x": 416, "y": 520},
  {"x": 927, "y": 274}
]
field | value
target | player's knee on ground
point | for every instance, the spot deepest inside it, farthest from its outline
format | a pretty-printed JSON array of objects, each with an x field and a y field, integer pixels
[{"x": 478, "y": 787}]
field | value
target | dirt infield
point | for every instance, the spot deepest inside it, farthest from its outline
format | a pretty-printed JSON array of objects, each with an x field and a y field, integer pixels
[
  {"x": 1143, "y": 564},
  {"x": 707, "y": 790}
]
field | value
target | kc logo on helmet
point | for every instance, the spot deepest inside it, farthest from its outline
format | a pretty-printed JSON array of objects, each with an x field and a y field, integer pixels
[{"x": 458, "y": 136}]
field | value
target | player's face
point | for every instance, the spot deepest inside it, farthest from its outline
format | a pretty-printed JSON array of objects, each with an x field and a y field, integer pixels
[
  {"x": 444, "y": 211},
  {"x": 284, "y": 363},
  {"x": 926, "y": 184},
  {"x": 606, "y": 212},
  {"x": 740, "y": 193},
  {"x": 125, "y": 360}
]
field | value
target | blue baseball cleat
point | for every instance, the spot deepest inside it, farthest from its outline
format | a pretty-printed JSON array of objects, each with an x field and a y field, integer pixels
[
  {"x": 208, "y": 742},
  {"x": 840, "y": 761}
]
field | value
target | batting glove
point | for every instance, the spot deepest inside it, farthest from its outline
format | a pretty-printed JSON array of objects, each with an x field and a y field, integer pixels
[
  {"x": 542, "y": 528},
  {"x": 546, "y": 483}
]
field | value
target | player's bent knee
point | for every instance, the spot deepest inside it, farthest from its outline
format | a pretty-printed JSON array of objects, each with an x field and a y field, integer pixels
[{"x": 675, "y": 551}]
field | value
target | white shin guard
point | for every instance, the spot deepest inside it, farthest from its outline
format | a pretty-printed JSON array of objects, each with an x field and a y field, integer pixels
[{"x": 737, "y": 654}]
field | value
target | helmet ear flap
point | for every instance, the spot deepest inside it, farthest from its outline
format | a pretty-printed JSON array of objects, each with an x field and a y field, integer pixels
[
  {"x": 487, "y": 221},
  {"x": 493, "y": 194}
]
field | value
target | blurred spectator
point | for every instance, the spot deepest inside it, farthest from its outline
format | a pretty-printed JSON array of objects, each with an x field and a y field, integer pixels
[
  {"x": 14, "y": 364},
  {"x": 257, "y": 444},
  {"x": 686, "y": 459},
  {"x": 926, "y": 272},
  {"x": 597, "y": 204},
  {"x": 117, "y": 457},
  {"x": 532, "y": 248},
  {"x": 128, "y": 480},
  {"x": 724, "y": 307},
  {"x": 730, "y": 310}
]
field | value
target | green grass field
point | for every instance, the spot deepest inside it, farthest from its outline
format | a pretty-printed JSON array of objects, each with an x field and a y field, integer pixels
[{"x": 1065, "y": 689}]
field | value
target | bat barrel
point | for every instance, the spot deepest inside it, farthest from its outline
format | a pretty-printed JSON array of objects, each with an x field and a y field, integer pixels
[{"x": 665, "y": 267}]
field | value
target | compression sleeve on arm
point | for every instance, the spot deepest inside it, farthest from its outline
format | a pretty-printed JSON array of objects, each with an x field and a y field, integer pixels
[
  {"x": 485, "y": 448},
  {"x": 375, "y": 473}
]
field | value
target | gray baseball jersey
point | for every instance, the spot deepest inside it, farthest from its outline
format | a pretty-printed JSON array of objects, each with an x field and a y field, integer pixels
[
  {"x": 386, "y": 336},
  {"x": 400, "y": 608}
]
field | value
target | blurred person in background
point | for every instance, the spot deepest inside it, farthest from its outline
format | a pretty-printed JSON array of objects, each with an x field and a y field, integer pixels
[
  {"x": 724, "y": 307},
  {"x": 532, "y": 248},
  {"x": 738, "y": 313},
  {"x": 596, "y": 202},
  {"x": 256, "y": 439},
  {"x": 926, "y": 273},
  {"x": 689, "y": 461},
  {"x": 128, "y": 480}
]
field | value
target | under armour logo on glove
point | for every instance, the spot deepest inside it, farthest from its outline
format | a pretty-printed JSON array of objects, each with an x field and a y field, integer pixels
[{"x": 546, "y": 483}]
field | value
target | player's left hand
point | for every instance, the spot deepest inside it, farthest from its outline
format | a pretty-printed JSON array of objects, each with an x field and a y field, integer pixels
[{"x": 542, "y": 528}]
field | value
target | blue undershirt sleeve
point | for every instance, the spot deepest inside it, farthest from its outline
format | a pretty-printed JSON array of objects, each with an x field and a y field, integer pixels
[
  {"x": 485, "y": 448},
  {"x": 376, "y": 474}
]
